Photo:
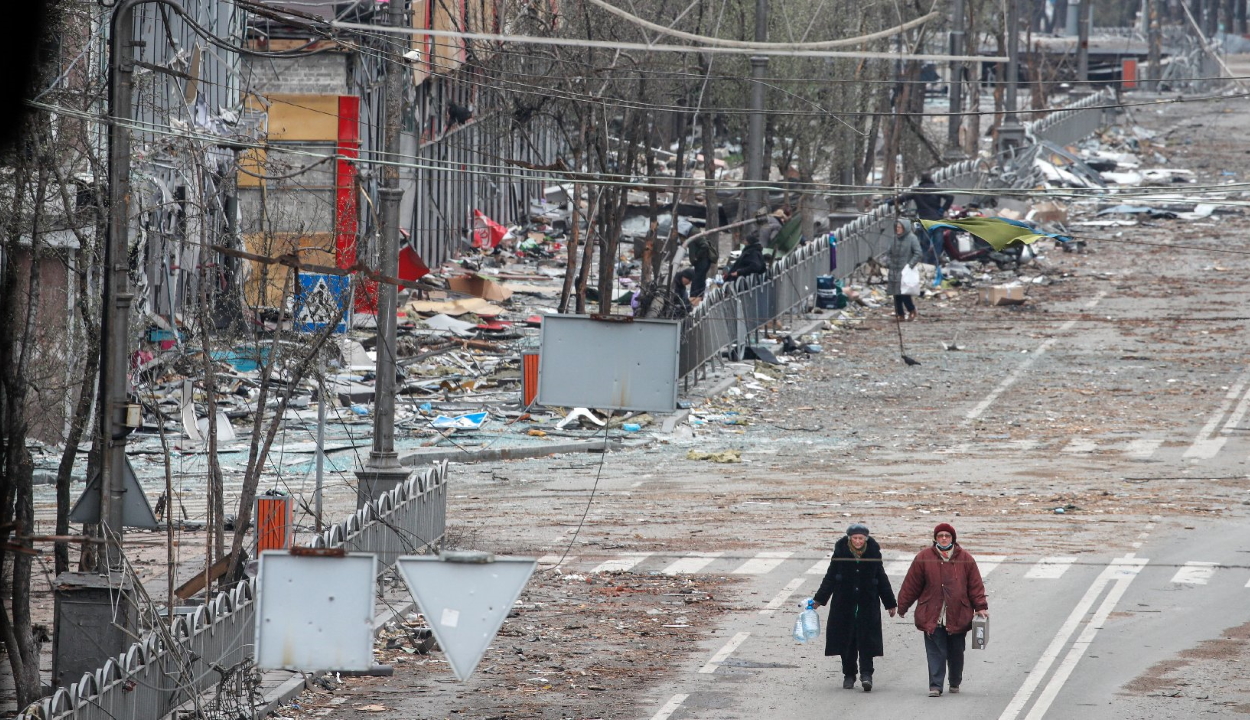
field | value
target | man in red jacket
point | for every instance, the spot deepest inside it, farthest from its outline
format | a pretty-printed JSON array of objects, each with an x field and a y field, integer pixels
[{"x": 945, "y": 584}]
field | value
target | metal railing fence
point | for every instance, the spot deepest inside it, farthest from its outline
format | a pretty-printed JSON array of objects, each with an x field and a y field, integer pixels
[
  {"x": 1074, "y": 122},
  {"x": 729, "y": 313},
  {"x": 167, "y": 667}
]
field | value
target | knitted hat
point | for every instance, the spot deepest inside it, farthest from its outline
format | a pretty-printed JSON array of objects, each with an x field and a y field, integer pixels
[
  {"x": 857, "y": 529},
  {"x": 945, "y": 527}
]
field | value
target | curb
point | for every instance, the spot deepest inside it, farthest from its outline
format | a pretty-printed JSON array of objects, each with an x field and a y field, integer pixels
[{"x": 516, "y": 453}]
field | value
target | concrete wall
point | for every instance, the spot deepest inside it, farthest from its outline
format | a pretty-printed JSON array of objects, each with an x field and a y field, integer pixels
[{"x": 323, "y": 74}]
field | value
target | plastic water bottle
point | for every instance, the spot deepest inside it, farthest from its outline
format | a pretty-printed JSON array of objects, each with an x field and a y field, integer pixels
[
  {"x": 800, "y": 635},
  {"x": 809, "y": 619}
]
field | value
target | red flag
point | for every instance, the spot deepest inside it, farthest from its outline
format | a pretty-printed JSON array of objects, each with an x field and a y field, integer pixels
[
  {"x": 486, "y": 232},
  {"x": 411, "y": 266}
]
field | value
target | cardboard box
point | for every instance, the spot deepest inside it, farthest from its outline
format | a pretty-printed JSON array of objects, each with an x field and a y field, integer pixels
[
  {"x": 980, "y": 635},
  {"x": 479, "y": 286},
  {"x": 1049, "y": 212},
  {"x": 1002, "y": 295}
]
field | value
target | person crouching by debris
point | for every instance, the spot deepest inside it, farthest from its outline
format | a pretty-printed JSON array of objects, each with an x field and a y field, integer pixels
[
  {"x": 750, "y": 261},
  {"x": 945, "y": 583},
  {"x": 679, "y": 305},
  {"x": 855, "y": 587},
  {"x": 904, "y": 252}
]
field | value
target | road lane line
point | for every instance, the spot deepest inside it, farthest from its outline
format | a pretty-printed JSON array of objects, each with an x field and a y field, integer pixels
[
  {"x": 1086, "y": 638},
  {"x": 1016, "y": 374},
  {"x": 1195, "y": 573},
  {"x": 987, "y": 563},
  {"x": 1238, "y": 413},
  {"x": 1204, "y": 447},
  {"x": 1080, "y": 445},
  {"x": 623, "y": 563},
  {"x": 724, "y": 652},
  {"x": 1042, "y": 666},
  {"x": 1143, "y": 448},
  {"x": 670, "y": 707},
  {"x": 819, "y": 568},
  {"x": 898, "y": 566},
  {"x": 1050, "y": 568},
  {"x": 762, "y": 563},
  {"x": 775, "y": 604},
  {"x": 1011, "y": 379},
  {"x": 691, "y": 563},
  {"x": 1248, "y": 583}
]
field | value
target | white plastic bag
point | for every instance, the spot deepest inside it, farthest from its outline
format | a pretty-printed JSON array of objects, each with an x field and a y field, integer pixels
[{"x": 909, "y": 281}]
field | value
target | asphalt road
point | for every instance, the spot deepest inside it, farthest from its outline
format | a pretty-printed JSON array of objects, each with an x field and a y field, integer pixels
[
  {"x": 1066, "y": 637},
  {"x": 1119, "y": 394}
]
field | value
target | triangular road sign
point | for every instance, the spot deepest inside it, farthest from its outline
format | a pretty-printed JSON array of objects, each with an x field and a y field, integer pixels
[
  {"x": 465, "y": 598},
  {"x": 136, "y": 512}
]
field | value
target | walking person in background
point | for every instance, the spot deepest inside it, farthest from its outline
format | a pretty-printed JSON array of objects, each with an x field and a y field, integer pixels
[
  {"x": 703, "y": 254},
  {"x": 903, "y": 252},
  {"x": 945, "y": 584},
  {"x": 930, "y": 205},
  {"x": 855, "y": 587}
]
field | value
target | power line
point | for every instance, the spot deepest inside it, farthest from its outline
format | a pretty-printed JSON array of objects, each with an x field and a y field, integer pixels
[{"x": 656, "y": 47}]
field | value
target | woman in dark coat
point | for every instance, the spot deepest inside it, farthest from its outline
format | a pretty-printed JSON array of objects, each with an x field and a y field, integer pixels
[{"x": 855, "y": 587}]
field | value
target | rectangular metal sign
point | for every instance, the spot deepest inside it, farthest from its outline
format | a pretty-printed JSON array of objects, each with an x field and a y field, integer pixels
[
  {"x": 624, "y": 364},
  {"x": 315, "y": 613}
]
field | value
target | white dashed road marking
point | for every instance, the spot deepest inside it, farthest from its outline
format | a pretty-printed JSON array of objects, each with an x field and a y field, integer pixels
[
  {"x": 775, "y": 604},
  {"x": 1080, "y": 445},
  {"x": 1195, "y": 573},
  {"x": 724, "y": 652},
  {"x": 819, "y": 568},
  {"x": 623, "y": 563},
  {"x": 670, "y": 707},
  {"x": 987, "y": 563},
  {"x": 762, "y": 563},
  {"x": 1050, "y": 568},
  {"x": 692, "y": 563},
  {"x": 1143, "y": 448}
]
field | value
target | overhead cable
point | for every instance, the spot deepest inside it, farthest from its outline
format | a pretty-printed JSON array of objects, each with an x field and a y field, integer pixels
[
  {"x": 648, "y": 48},
  {"x": 722, "y": 42}
]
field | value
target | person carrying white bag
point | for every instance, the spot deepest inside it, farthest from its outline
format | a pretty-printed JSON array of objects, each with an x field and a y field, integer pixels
[
  {"x": 856, "y": 587},
  {"x": 903, "y": 255}
]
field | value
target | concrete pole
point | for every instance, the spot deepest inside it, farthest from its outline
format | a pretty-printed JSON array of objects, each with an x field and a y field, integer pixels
[
  {"x": 954, "y": 150},
  {"x": 1011, "y": 132},
  {"x": 382, "y": 470},
  {"x": 757, "y": 168},
  {"x": 1082, "y": 42},
  {"x": 321, "y": 456},
  {"x": 95, "y": 615},
  {"x": 1155, "y": 37},
  {"x": 118, "y": 293}
]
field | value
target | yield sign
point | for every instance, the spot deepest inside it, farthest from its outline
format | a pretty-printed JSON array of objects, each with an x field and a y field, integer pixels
[{"x": 465, "y": 597}]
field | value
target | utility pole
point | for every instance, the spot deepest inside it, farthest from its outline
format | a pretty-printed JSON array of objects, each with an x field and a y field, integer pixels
[
  {"x": 95, "y": 615},
  {"x": 1011, "y": 132},
  {"x": 382, "y": 470},
  {"x": 1154, "y": 32},
  {"x": 756, "y": 196},
  {"x": 1082, "y": 42},
  {"x": 118, "y": 294},
  {"x": 954, "y": 150}
]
